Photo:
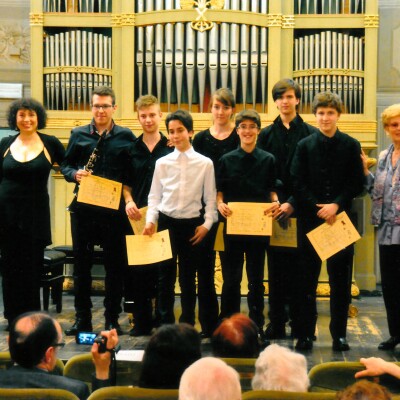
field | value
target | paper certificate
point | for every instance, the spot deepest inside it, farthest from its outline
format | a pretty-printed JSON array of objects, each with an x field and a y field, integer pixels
[
  {"x": 249, "y": 219},
  {"x": 100, "y": 192},
  {"x": 143, "y": 249},
  {"x": 284, "y": 237},
  {"x": 138, "y": 226},
  {"x": 327, "y": 239}
]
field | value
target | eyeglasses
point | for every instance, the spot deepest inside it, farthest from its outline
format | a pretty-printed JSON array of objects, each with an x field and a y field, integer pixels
[
  {"x": 105, "y": 107},
  {"x": 251, "y": 127},
  {"x": 61, "y": 344}
]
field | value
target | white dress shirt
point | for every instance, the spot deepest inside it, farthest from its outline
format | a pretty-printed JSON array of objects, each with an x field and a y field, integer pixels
[{"x": 180, "y": 182}]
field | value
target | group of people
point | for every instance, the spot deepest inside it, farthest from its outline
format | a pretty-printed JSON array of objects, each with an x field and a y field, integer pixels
[
  {"x": 309, "y": 173},
  {"x": 173, "y": 360}
]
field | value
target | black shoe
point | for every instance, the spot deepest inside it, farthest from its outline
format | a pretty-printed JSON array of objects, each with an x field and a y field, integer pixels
[
  {"x": 389, "y": 344},
  {"x": 135, "y": 331},
  {"x": 275, "y": 331},
  {"x": 340, "y": 344},
  {"x": 304, "y": 344},
  {"x": 80, "y": 325},
  {"x": 113, "y": 325}
]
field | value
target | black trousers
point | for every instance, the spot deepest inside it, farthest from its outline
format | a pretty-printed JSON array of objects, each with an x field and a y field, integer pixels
[
  {"x": 283, "y": 264},
  {"x": 340, "y": 267},
  {"x": 140, "y": 288},
  {"x": 389, "y": 257},
  {"x": 21, "y": 268},
  {"x": 232, "y": 271},
  {"x": 108, "y": 230},
  {"x": 192, "y": 260}
]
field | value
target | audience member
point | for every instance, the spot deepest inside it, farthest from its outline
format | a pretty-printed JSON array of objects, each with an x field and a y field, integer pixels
[
  {"x": 210, "y": 379},
  {"x": 237, "y": 336},
  {"x": 171, "y": 349},
  {"x": 364, "y": 390},
  {"x": 278, "y": 368},
  {"x": 34, "y": 340},
  {"x": 375, "y": 366}
]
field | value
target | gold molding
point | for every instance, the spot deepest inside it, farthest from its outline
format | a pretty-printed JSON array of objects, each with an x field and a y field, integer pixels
[
  {"x": 77, "y": 69},
  {"x": 371, "y": 21},
  {"x": 329, "y": 71},
  {"x": 288, "y": 22},
  {"x": 128, "y": 19},
  {"x": 274, "y": 20},
  {"x": 36, "y": 19}
]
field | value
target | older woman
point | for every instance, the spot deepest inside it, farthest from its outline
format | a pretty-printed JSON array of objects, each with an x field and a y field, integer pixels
[
  {"x": 385, "y": 194},
  {"x": 25, "y": 163}
]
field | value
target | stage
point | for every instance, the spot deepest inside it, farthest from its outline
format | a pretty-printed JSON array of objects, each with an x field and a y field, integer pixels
[{"x": 364, "y": 333}]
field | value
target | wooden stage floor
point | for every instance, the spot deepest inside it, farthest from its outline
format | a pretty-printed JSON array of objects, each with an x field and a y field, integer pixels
[{"x": 365, "y": 331}]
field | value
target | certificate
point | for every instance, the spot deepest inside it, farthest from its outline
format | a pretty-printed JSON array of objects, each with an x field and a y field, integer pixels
[
  {"x": 138, "y": 226},
  {"x": 143, "y": 249},
  {"x": 284, "y": 237},
  {"x": 328, "y": 240},
  {"x": 100, "y": 192},
  {"x": 249, "y": 219}
]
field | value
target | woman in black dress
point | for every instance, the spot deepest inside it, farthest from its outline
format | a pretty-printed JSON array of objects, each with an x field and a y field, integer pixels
[{"x": 25, "y": 163}]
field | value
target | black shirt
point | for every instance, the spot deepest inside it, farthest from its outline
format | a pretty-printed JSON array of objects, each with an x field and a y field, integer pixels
[
  {"x": 245, "y": 176},
  {"x": 282, "y": 142},
  {"x": 142, "y": 164}
]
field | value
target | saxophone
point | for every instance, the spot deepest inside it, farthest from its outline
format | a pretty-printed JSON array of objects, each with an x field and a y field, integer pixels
[{"x": 88, "y": 167}]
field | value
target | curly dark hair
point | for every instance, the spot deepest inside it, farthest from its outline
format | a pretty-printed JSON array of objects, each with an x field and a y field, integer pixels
[{"x": 26, "y": 104}]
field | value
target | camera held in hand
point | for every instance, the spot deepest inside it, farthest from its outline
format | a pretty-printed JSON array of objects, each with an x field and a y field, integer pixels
[{"x": 102, "y": 342}]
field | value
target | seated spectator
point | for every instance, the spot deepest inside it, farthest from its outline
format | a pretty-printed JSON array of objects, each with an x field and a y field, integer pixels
[
  {"x": 210, "y": 379},
  {"x": 364, "y": 390},
  {"x": 237, "y": 337},
  {"x": 377, "y": 366},
  {"x": 34, "y": 340},
  {"x": 171, "y": 349},
  {"x": 278, "y": 368}
]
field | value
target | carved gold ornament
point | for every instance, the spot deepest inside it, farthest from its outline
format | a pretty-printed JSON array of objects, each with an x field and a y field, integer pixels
[{"x": 201, "y": 23}]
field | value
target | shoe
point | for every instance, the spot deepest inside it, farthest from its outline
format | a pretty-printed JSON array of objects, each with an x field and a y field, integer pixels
[
  {"x": 113, "y": 325},
  {"x": 340, "y": 344},
  {"x": 80, "y": 325},
  {"x": 304, "y": 344},
  {"x": 389, "y": 344},
  {"x": 135, "y": 331},
  {"x": 275, "y": 331}
]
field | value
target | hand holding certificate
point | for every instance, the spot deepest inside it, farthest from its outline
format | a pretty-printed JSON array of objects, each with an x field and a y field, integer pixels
[
  {"x": 100, "y": 192},
  {"x": 249, "y": 219},
  {"x": 145, "y": 249},
  {"x": 328, "y": 240}
]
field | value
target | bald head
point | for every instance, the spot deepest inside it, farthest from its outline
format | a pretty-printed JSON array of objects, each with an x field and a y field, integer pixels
[{"x": 210, "y": 379}]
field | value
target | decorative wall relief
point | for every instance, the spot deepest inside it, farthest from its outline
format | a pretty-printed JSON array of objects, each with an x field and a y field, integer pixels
[{"x": 15, "y": 45}]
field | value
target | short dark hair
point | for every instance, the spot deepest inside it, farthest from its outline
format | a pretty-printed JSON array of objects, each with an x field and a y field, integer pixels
[
  {"x": 283, "y": 86},
  {"x": 26, "y": 104},
  {"x": 180, "y": 115},
  {"x": 171, "y": 349},
  {"x": 104, "y": 91},
  {"x": 27, "y": 349},
  {"x": 237, "y": 336},
  {"x": 327, "y": 99},
  {"x": 248, "y": 114},
  {"x": 225, "y": 96}
]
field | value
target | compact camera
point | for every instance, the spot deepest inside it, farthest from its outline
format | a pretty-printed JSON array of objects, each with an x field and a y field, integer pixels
[{"x": 90, "y": 338}]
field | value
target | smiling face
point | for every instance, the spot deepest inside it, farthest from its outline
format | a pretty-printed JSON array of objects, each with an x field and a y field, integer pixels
[
  {"x": 248, "y": 132},
  {"x": 27, "y": 121},
  {"x": 150, "y": 118},
  {"x": 102, "y": 110},
  {"x": 221, "y": 113},
  {"x": 179, "y": 135},
  {"x": 327, "y": 118},
  {"x": 392, "y": 128}
]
